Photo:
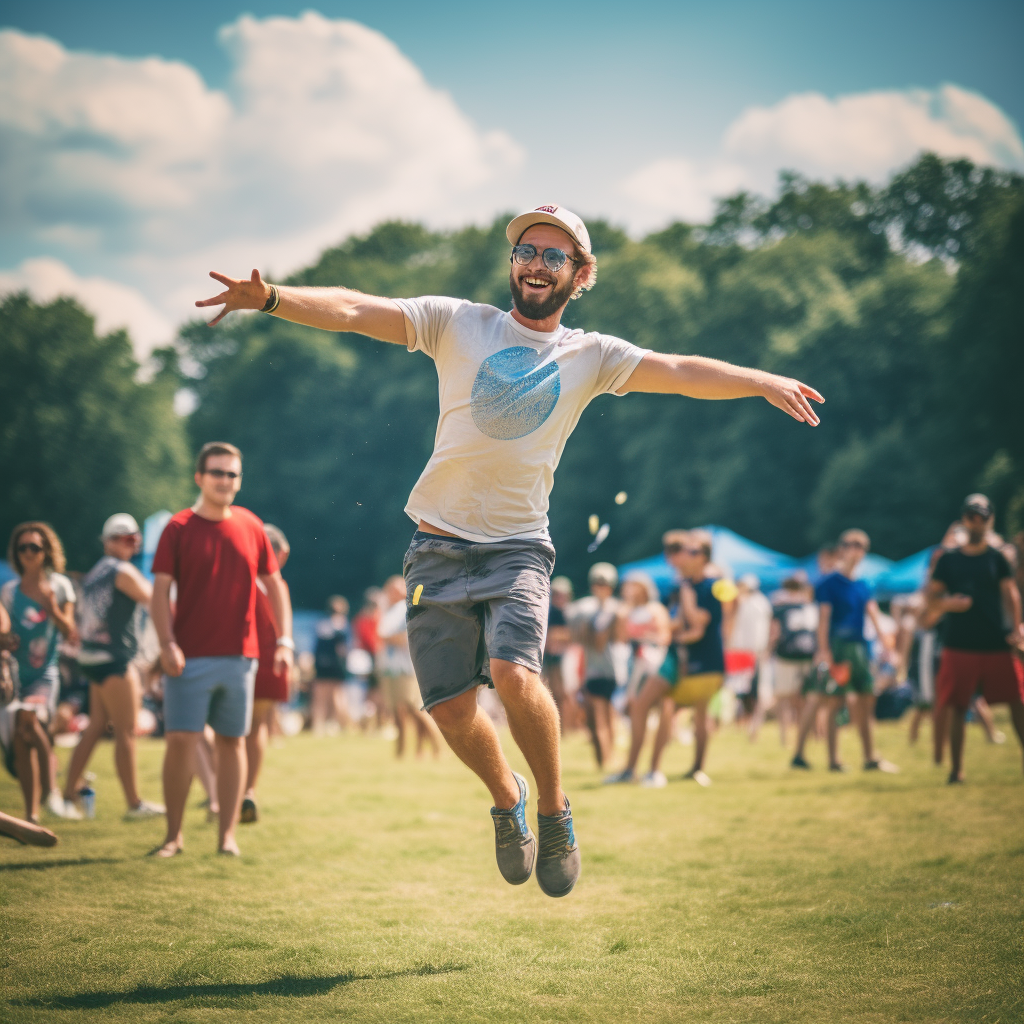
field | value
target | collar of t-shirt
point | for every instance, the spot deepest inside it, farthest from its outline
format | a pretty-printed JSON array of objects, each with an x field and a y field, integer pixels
[{"x": 537, "y": 337}]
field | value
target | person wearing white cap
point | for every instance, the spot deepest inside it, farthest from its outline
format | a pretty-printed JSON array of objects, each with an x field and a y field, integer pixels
[
  {"x": 112, "y": 591},
  {"x": 513, "y": 385}
]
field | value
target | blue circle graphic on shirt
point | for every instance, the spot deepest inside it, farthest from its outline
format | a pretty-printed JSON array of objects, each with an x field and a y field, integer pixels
[{"x": 513, "y": 394}]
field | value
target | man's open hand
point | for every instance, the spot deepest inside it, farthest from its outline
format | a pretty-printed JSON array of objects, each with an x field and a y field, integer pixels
[
  {"x": 240, "y": 294},
  {"x": 792, "y": 397}
]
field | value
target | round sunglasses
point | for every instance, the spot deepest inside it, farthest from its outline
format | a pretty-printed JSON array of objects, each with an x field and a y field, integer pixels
[{"x": 554, "y": 259}]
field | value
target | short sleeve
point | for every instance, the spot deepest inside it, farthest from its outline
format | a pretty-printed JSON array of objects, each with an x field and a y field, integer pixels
[
  {"x": 429, "y": 316},
  {"x": 823, "y": 591},
  {"x": 166, "y": 558},
  {"x": 941, "y": 570},
  {"x": 1003, "y": 570},
  {"x": 63, "y": 589},
  {"x": 618, "y": 361}
]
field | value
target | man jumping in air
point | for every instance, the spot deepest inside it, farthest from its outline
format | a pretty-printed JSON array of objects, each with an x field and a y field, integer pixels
[{"x": 512, "y": 388}]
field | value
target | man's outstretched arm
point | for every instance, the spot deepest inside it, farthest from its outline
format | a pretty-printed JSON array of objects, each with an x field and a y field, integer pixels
[
  {"x": 700, "y": 377},
  {"x": 330, "y": 309}
]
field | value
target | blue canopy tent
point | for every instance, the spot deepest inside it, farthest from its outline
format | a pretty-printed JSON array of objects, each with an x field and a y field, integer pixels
[{"x": 904, "y": 576}]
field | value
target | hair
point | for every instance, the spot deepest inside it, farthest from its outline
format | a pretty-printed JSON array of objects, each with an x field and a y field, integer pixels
[
  {"x": 278, "y": 541},
  {"x": 337, "y": 599},
  {"x": 704, "y": 541},
  {"x": 674, "y": 537},
  {"x": 859, "y": 535},
  {"x": 53, "y": 550},
  {"x": 644, "y": 580},
  {"x": 215, "y": 448}
]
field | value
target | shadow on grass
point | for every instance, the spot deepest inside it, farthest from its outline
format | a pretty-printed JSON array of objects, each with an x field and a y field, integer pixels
[
  {"x": 286, "y": 986},
  {"x": 45, "y": 865}
]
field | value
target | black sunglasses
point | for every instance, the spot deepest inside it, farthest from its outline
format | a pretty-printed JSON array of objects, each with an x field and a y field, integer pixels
[
  {"x": 30, "y": 548},
  {"x": 673, "y": 549},
  {"x": 554, "y": 259},
  {"x": 222, "y": 474}
]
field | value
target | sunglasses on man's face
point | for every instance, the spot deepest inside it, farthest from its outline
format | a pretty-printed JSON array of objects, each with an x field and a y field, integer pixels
[
  {"x": 29, "y": 548},
  {"x": 673, "y": 549},
  {"x": 554, "y": 259},
  {"x": 851, "y": 544},
  {"x": 223, "y": 474}
]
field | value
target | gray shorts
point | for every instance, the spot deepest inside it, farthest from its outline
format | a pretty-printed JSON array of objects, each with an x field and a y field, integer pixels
[
  {"x": 479, "y": 601},
  {"x": 217, "y": 691}
]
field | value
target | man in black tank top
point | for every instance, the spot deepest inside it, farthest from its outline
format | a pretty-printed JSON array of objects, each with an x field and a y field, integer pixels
[{"x": 111, "y": 594}]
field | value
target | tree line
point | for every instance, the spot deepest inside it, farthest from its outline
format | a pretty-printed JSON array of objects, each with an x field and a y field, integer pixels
[{"x": 901, "y": 304}]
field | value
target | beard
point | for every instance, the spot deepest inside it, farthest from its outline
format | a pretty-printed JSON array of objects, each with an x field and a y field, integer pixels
[{"x": 540, "y": 309}]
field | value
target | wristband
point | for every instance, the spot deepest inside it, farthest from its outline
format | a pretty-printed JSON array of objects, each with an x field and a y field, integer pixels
[
  {"x": 273, "y": 302},
  {"x": 286, "y": 641}
]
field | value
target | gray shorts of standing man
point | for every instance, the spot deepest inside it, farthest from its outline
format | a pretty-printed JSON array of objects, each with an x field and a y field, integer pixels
[{"x": 512, "y": 387}]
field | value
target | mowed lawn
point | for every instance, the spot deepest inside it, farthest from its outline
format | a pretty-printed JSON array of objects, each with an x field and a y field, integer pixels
[{"x": 368, "y": 892}]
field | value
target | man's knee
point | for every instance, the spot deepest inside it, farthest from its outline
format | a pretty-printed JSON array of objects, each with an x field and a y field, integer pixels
[
  {"x": 455, "y": 714},
  {"x": 512, "y": 680}
]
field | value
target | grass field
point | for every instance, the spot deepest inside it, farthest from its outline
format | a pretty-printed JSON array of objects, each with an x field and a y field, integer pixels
[{"x": 368, "y": 892}]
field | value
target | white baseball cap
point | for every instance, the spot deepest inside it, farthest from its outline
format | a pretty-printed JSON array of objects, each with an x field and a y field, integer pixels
[
  {"x": 559, "y": 216},
  {"x": 119, "y": 524}
]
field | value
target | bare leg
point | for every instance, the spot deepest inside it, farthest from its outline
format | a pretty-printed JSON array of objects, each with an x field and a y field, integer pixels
[
  {"x": 121, "y": 695},
  {"x": 834, "y": 704},
  {"x": 401, "y": 720},
  {"x": 206, "y": 769},
  {"x": 179, "y": 767},
  {"x": 319, "y": 705},
  {"x": 87, "y": 742},
  {"x": 667, "y": 714},
  {"x": 533, "y": 722},
  {"x": 256, "y": 743},
  {"x": 590, "y": 711},
  {"x": 25, "y": 832},
  {"x": 426, "y": 731},
  {"x": 652, "y": 690},
  {"x": 471, "y": 734},
  {"x": 603, "y": 729},
  {"x": 231, "y": 767},
  {"x": 863, "y": 713},
  {"x": 984, "y": 713},
  {"x": 700, "y": 734},
  {"x": 915, "y": 725},
  {"x": 340, "y": 705},
  {"x": 27, "y": 764},
  {"x": 958, "y": 723},
  {"x": 807, "y": 722}
]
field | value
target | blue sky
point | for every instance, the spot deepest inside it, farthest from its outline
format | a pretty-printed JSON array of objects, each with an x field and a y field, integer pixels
[{"x": 134, "y": 175}]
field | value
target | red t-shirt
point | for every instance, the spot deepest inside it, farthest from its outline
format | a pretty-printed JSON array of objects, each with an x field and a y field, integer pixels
[
  {"x": 215, "y": 565},
  {"x": 365, "y": 628},
  {"x": 269, "y": 685}
]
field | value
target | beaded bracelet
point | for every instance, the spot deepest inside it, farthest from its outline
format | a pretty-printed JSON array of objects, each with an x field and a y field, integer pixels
[{"x": 273, "y": 302}]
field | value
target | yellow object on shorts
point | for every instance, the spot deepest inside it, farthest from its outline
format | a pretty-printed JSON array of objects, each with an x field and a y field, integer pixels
[
  {"x": 692, "y": 690},
  {"x": 416, "y": 593}
]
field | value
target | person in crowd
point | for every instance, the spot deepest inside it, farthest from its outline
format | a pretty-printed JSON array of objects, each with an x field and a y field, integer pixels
[
  {"x": 746, "y": 653},
  {"x": 594, "y": 626},
  {"x": 694, "y": 668},
  {"x": 112, "y": 592},
  {"x": 365, "y": 637},
  {"x": 215, "y": 552},
  {"x": 556, "y": 643},
  {"x": 793, "y": 640},
  {"x": 646, "y": 626},
  {"x": 826, "y": 560},
  {"x": 973, "y": 587},
  {"x": 40, "y": 604},
  {"x": 397, "y": 675},
  {"x": 333, "y": 639},
  {"x": 272, "y": 679},
  {"x": 843, "y": 671}
]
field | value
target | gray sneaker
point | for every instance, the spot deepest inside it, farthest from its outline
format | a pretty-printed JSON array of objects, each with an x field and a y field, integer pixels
[
  {"x": 515, "y": 846},
  {"x": 558, "y": 866}
]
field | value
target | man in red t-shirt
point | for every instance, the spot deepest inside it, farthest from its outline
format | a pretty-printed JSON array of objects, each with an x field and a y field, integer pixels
[{"x": 214, "y": 553}]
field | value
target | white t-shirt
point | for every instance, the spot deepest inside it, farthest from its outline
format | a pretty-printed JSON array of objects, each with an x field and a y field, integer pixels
[
  {"x": 393, "y": 659},
  {"x": 509, "y": 397}
]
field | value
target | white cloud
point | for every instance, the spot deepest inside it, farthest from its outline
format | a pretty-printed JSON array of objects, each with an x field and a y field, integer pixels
[
  {"x": 113, "y": 305},
  {"x": 138, "y": 169},
  {"x": 865, "y": 135}
]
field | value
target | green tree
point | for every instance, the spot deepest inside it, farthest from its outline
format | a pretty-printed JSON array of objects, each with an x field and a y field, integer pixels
[{"x": 81, "y": 437}]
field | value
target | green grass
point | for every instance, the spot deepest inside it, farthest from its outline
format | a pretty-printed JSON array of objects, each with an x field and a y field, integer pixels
[{"x": 368, "y": 892}]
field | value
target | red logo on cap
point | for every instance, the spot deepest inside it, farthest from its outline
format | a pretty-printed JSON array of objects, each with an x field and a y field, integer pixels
[{"x": 546, "y": 209}]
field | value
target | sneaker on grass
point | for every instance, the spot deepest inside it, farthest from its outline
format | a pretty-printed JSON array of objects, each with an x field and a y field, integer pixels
[
  {"x": 625, "y": 777},
  {"x": 250, "y": 812},
  {"x": 701, "y": 778},
  {"x": 558, "y": 861},
  {"x": 61, "y": 808},
  {"x": 799, "y": 761},
  {"x": 654, "y": 780},
  {"x": 515, "y": 846},
  {"x": 881, "y": 765},
  {"x": 144, "y": 809}
]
